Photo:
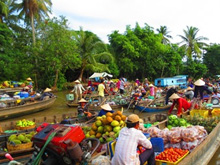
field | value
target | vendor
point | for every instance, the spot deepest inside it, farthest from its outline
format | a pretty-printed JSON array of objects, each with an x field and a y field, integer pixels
[
  {"x": 199, "y": 92},
  {"x": 129, "y": 140},
  {"x": 77, "y": 90},
  {"x": 83, "y": 108},
  {"x": 189, "y": 93},
  {"x": 171, "y": 90},
  {"x": 180, "y": 102},
  {"x": 47, "y": 94},
  {"x": 30, "y": 84},
  {"x": 105, "y": 108}
]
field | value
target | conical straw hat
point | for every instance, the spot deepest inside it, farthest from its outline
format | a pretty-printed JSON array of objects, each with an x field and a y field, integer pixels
[
  {"x": 189, "y": 88},
  {"x": 151, "y": 85},
  {"x": 106, "y": 107},
  {"x": 174, "y": 96},
  {"x": 199, "y": 82},
  {"x": 77, "y": 81},
  {"x": 83, "y": 101},
  {"x": 47, "y": 90},
  {"x": 29, "y": 79}
]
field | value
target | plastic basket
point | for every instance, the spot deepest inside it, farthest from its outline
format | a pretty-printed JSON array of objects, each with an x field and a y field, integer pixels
[
  {"x": 69, "y": 97},
  {"x": 160, "y": 162},
  {"x": 24, "y": 94},
  {"x": 157, "y": 144},
  {"x": 111, "y": 148},
  {"x": 16, "y": 147},
  {"x": 196, "y": 112}
]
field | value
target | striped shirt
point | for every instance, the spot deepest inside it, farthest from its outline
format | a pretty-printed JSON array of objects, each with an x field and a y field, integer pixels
[{"x": 126, "y": 146}]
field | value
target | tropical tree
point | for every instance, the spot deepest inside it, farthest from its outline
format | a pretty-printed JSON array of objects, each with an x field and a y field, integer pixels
[
  {"x": 30, "y": 10},
  {"x": 192, "y": 43},
  {"x": 165, "y": 34},
  {"x": 92, "y": 51},
  {"x": 3, "y": 10}
]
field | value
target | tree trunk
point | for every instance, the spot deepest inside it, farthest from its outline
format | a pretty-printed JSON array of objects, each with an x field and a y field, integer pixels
[
  {"x": 81, "y": 73},
  {"x": 162, "y": 71},
  {"x": 55, "y": 81},
  {"x": 33, "y": 29}
]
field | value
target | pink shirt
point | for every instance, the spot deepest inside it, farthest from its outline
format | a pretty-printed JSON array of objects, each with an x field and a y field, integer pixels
[
  {"x": 126, "y": 146},
  {"x": 152, "y": 91}
]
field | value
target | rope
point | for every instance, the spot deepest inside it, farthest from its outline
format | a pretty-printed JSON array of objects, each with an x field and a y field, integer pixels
[{"x": 38, "y": 158}]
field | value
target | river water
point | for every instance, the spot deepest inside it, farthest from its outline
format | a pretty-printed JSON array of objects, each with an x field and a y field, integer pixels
[{"x": 60, "y": 107}]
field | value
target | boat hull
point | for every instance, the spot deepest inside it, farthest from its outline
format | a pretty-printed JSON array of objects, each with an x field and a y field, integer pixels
[
  {"x": 152, "y": 109},
  {"x": 28, "y": 108}
]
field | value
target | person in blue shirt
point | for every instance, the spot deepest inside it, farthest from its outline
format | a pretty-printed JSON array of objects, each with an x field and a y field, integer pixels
[{"x": 105, "y": 108}]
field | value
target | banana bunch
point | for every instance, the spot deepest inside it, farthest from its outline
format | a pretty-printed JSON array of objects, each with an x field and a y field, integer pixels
[
  {"x": 24, "y": 123},
  {"x": 21, "y": 138}
]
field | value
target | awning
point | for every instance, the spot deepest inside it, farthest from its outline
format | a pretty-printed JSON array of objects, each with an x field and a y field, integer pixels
[{"x": 103, "y": 74}]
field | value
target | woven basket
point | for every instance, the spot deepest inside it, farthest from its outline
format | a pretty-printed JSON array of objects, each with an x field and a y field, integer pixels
[
  {"x": 16, "y": 147},
  {"x": 25, "y": 128}
]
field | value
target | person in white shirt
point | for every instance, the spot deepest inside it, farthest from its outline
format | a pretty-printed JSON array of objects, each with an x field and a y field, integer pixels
[
  {"x": 77, "y": 90},
  {"x": 130, "y": 138},
  {"x": 216, "y": 94}
]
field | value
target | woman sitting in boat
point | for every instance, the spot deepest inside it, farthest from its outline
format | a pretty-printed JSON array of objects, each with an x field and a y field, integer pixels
[
  {"x": 189, "y": 93},
  {"x": 105, "y": 108},
  {"x": 47, "y": 94},
  {"x": 181, "y": 103},
  {"x": 83, "y": 108}
]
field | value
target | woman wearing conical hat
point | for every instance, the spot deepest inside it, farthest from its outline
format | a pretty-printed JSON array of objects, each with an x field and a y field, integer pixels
[
  {"x": 181, "y": 104},
  {"x": 77, "y": 90},
  {"x": 189, "y": 93},
  {"x": 105, "y": 108}
]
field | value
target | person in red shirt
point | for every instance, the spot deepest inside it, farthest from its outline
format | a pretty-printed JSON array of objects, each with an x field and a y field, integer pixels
[{"x": 180, "y": 102}]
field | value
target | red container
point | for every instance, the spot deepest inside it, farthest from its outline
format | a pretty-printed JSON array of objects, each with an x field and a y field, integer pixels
[{"x": 64, "y": 132}]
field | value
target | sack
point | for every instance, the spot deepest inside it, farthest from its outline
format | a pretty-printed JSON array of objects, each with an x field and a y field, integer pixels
[{"x": 101, "y": 160}]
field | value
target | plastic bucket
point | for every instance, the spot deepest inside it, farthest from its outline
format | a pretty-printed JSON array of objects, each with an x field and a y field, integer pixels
[{"x": 69, "y": 97}]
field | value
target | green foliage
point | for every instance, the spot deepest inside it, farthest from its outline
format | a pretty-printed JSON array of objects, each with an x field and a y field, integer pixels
[{"x": 212, "y": 60}]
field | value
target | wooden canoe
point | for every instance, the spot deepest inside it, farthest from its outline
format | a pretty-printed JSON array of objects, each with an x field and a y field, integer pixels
[
  {"x": 152, "y": 109},
  {"x": 204, "y": 152},
  {"x": 71, "y": 104},
  {"x": 27, "y": 108},
  {"x": 98, "y": 108}
]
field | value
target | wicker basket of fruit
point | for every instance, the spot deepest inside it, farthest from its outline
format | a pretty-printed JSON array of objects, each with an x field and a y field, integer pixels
[{"x": 25, "y": 124}]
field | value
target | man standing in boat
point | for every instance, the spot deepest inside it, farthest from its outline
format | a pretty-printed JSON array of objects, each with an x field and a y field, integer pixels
[
  {"x": 101, "y": 92},
  {"x": 77, "y": 90}
]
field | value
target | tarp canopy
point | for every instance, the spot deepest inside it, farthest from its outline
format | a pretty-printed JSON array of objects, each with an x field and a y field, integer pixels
[{"x": 103, "y": 74}]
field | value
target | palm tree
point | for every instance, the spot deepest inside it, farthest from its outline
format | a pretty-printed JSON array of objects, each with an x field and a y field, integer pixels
[
  {"x": 165, "y": 33},
  {"x": 33, "y": 9},
  {"x": 92, "y": 51},
  {"x": 191, "y": 42},
  {"x": 3, "y": 10}
]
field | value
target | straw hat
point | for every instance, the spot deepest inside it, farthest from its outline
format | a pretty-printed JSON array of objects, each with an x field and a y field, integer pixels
[
  {"x": 151, "y": 85},
  {"x": 29, "y": 79},
  {"x": 77, "y": 81},
  {"x": 83, "y": 101},
  {"x": 26, "y": 87},
  {"x": 106, "y": 107},
  {"x": 189, "y": 88},
  {"x": 174, "y": 96},
  {"x": 47, "y": 90},
  {"x": 199, "y": 82},
  {"x": 141, "y": 121},
  {"x": 133, "y": 118}
]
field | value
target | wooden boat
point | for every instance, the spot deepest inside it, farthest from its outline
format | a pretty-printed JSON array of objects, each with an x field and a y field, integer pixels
[
  {"x": 72, "y": 104},
  {"x": 152, "y": 109},
  {"x": 204, "y": 152},
  {"x": 98, "y": 108},
  {"x": 27, "y": 108}
]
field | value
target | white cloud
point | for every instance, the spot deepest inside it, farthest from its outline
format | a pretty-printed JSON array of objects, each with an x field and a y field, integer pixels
[{"x": 104, "y": 16}]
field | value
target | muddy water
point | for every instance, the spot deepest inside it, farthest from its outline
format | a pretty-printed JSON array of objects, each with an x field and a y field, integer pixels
[{"x": 60, "y": 107}]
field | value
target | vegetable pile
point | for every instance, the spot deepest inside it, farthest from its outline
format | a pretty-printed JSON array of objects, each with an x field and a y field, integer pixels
[
  {"x": 174, "y": 121},
  {"x": 171, "y": 154}
]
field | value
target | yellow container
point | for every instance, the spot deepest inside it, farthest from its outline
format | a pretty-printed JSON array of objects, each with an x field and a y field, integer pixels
[
  {"x": 197, "y": 112},
  {"x": 216, "y": 112},
  {"x": 160, "y": 162}
]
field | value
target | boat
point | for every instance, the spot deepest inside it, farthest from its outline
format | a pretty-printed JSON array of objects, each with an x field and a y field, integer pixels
[
  {"x": 149, "y": 109},
  {"x": 29, "y": 107},
  {"x": 203, "y": 153},
  {"x": 72, "y": 104}
]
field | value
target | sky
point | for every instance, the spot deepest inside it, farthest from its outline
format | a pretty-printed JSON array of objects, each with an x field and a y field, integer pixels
[{"x": 102, "y": 17}]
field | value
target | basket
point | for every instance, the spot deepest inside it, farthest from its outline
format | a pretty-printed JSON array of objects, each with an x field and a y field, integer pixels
[
  {"x": 16, "y": 147},
  {"x": 160, "y": 162},
  {"x": 157, "y": 144},
  {"x": 25, "y": 128},
  {"x": 69, "y": 97},
  {"x": 196, "y": 112}
]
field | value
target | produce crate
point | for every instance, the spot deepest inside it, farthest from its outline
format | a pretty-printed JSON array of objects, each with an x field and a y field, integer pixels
[
  {"x": 69, "y": 97},
  {"x": 16, "y": 147},
  {"x": 196, "y": 112},
  {"x": 216, "y": 112},
  {"x": 160, "y": 162},
  {"x": 25, "y": 128},
  {"x": 157, "y": 144}
]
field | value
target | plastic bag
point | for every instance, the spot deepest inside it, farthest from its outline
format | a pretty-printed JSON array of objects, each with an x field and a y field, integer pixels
[
  {"x": 189, "y": 134},
  {"x": 176, "y": 145},
  {"x": 202, "y": 133},
  {"x": 167, "y": 145},
  {"x": 101, "y": 160},
  {"x": 153, "y": 131},
  {"x": 189, "y": 145},
  {"x": 164, "y": 134},
  {"x": 174, "y": 136}
]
